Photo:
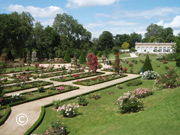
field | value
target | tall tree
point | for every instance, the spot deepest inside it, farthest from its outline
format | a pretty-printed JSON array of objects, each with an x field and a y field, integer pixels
[
  {"x": 134, "y": 37},
  {"x": 106, "y": 40},
  {"x": 153, "y": 30}
]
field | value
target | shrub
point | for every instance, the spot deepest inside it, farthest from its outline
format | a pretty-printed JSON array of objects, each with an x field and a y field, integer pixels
[
  {"x": 119, "y": 86},
  {"x": 82, "y": 101},
  {"x": 130, "y": 64},
  {"x": 52, "y": 87},
  {"x": 68, "y": 110},
  {"x": 41, "y": 89},
  {"x": 76, "y": 76},
  {"x": 67, "y": 57},
  {"x": 116, "y": 64},
  {"x": 178, "y": 60},
  {"x": 56, "y": 103},
  {"x": 150, "y": 75},
  {"x": 94, "y": 96},
  {"x": 82, "y": 58},
  {"x": 142, "y": 92},
  {"x": 168, "y": 80},
  {"x": 147, "y": 64},
  {"x": 129, "y": 103},
  {"x": 165, "y": 62},
  {"x": 56, "y": 128},
  {"x": 92, "y": 62},
  {"x": 134, "y": 83},
  {"x": 60, "y": 89},
  {"x": 36, "y": 65},
  {"x": 166, "y": 67}
]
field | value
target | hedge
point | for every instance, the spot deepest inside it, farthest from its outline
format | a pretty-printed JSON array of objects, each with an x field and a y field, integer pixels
[{"x": 6, "y": 115}]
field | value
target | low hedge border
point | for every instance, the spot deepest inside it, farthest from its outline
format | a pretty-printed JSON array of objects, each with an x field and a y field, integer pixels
[
  {"x": 126, "y": 72},
  {"x": 101, "y": 81},
  {"x": 40, "y": 119},
  {"x": 6, "y": 115},
  {"x": 13, "y": 81},
  {"x": 49, "y": 83},
  {"x": 28, "y": 100},
  {"x": 54, "y": 79}
]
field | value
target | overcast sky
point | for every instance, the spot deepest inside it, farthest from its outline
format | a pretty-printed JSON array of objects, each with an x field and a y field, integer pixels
[{"x": 116, "y": 16}]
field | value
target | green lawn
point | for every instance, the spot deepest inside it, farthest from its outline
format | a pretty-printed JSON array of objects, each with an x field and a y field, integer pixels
[
  {"x": 112, "y": 56},
  {"x": 100, "y": 117}
]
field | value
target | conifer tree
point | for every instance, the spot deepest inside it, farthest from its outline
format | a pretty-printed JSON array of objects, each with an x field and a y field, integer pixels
[
  {"x": 67, "y": 57},
  {"x": 147, "y": 64},
  {"x": 82, "y": 58}
]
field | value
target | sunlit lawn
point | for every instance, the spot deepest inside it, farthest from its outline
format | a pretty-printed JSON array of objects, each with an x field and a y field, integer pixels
[{"x": 100, "y": 117}]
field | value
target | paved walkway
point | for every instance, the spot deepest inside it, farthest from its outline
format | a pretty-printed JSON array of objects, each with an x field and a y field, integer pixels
[{"x": 33, "y": 109}]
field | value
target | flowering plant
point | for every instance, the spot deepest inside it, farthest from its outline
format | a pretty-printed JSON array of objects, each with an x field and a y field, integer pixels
[
  {"x": 130, "y": 64},
  {"x": 69, "y": 110},
  {"x": 92, "y": 62},
  {"x": 116, "y": 64},
  {"x": 129, "y": 103},
  {"x": 165, "y": 62},
  {"x": 142, "y": 92},
  {"x": 76, "y": 76},
  {"x": 60, "y": 88},
  {"x": 94, "y": 96},
  {"x": 36, "y": 65},
  {"x": 119, "y": 86},
  {"x": 57, "y": 128},
  {"x": 150, "y": 75},
  {"x": 168, "y": 80}
]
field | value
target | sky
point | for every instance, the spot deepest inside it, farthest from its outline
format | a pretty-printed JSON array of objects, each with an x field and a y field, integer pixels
[{"x": 115, "y": 16}]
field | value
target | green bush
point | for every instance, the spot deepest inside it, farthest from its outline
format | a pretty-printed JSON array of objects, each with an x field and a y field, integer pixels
[
  {"x": 178, "y": 61},
  {"x": 134, "y": 83},
  {"x": 82, "y": 101},
  {"x": 147, "y": 64},
  {"x": 129, "y": 103},
  {"x": 82, "y": 58},
  {"x": 67, "y": 57}
]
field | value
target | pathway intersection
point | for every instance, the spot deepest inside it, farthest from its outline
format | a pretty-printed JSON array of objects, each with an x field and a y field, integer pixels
[{"x": 33, "y": 109}]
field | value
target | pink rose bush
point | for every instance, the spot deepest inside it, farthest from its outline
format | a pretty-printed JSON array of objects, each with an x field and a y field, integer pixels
[
  {"x": 69, "y": 110},
  {"x": 168, "y": 80},
  {"x": 129, "y": 103},
  {"x": 142, "y": 92},
  {"x": 60, "y": 88}
]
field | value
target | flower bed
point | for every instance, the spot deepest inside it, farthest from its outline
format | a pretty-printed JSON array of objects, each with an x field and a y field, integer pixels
[
  {"x": 76, "y": 76},
  {"x": 99, "y": 79},
  {"x": 59, "y": 73},
  {"x": 34, "y": 95},
  {"x": 142, "y": 92},
  {"x": 23, "y": 86}
]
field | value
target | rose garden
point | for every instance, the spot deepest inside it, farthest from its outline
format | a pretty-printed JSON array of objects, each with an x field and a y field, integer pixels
[
  {"x": 67, "y": 83},
  {"x": 137, "y": 99}
]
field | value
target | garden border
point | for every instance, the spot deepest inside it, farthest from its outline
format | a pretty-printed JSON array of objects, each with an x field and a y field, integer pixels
[
  {"x": 6, "y": 115},
  {"x": 42, "y": 114}
]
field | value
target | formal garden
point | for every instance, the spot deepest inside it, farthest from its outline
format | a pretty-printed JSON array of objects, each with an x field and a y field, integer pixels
[{"x": 70, "y": 84}]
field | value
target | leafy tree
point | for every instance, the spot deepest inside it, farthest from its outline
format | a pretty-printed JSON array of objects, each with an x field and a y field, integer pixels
[
  {"x": 170, "y": 38},
  {"x": 125, "y": 45},
  {"x": 115, "y": 49},
  {"x": 106, "y": 40},
  {"x": 147, "y": 64},
  {"x": 153, "y": 30},
  {"x": 120, "y": 39},
  {"x": 134, "y": 37},
  {"x": 152, "y": 39},
  {"x": 67, "y": 57},
  {"x": 106, "y": 53}
]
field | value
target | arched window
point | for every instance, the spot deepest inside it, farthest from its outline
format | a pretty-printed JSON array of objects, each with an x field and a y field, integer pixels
[
  {"x": 168, "y": 49},
  {"x": 147, "y": 49},
  {"x": 151, "y": 50},
  {"x": 160, "y": 49},
  {"x": 142, "y": 49},
  {"x": 138, "y": 49},
  {"x": 164, "y": 49},
  {"x": 155, "y": 49}
]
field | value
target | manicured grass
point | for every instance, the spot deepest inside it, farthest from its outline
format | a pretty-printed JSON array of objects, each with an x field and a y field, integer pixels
[
  {"x": 161, "y": 114},
  {"x": 158, "y": 66},
  {"x": 112, "y": 56}
]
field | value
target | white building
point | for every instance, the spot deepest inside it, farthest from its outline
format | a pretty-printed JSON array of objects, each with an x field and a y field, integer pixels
[{"x": 154, "y": 47}]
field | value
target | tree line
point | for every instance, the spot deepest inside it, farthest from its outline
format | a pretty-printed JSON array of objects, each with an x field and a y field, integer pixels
[{"x": 19, "y": 36}]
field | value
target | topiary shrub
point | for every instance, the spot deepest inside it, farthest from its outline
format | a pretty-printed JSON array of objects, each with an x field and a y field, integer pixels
[
  {"x": 67, "y": 57},
  {"x": 82, "y": 58},
  {"x": 147, "y": 64}
]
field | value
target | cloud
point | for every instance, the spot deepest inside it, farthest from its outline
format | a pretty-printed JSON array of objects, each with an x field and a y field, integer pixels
[
  {"x": 50, "y": 11},
  {"x": 88, "y": 3},
  {"x": 173, "y": 24},
  {"x": 146, "y": 14}
]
